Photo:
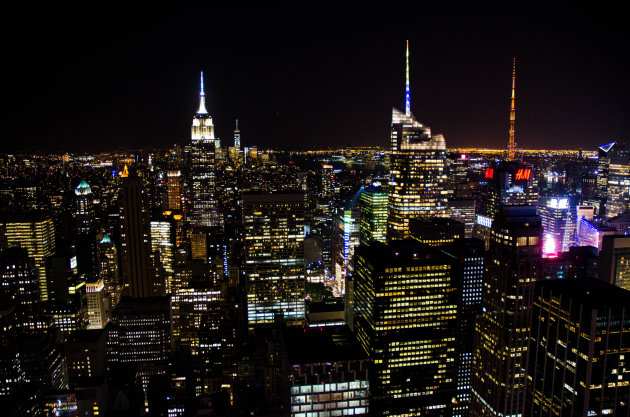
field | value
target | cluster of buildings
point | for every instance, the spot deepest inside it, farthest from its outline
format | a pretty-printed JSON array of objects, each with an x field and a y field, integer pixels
[{"x": 411, "y": 281}]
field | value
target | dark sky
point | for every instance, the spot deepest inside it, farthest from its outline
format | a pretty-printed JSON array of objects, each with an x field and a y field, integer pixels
[{"x": 314, "y": 78}]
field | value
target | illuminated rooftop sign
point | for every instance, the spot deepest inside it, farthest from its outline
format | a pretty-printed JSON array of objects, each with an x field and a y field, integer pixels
[{"x": 522, "y": 174}]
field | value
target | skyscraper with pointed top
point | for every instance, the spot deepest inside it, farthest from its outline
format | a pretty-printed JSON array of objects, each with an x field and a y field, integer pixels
[
  {"x": 237, "y": 137},
  {"x": 418, "y": 170},
  {"x": 204, "y": 204},
  {"x": 512, "y": 140}
]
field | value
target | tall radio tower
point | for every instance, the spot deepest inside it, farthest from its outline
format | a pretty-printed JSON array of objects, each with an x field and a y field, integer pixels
[{"x": 512, "y": 142}]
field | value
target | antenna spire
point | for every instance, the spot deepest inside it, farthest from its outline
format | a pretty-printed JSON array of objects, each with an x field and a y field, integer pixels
[
  {"x": 202, "y": 99},
  {"x": 407, "y": 94},
  {"x": 512, "y": 142}
]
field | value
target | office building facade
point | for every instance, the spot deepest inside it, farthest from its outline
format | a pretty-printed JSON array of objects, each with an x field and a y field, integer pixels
[
  {"x": 405, "y": 318},
  {"x": 274, "y": 257}
]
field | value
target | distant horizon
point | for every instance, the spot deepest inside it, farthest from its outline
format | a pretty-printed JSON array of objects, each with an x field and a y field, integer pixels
[{"x": 115, "y": 81}]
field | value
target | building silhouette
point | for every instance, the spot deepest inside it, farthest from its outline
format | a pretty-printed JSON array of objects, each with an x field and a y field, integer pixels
[
  {"x": 500, "y": 352},
  {"x": 138, "y": 275},
  {"x": 578, "y": 350}
]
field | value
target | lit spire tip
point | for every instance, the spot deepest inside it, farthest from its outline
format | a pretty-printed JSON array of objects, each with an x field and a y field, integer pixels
[{"x": 407, "y": 93}]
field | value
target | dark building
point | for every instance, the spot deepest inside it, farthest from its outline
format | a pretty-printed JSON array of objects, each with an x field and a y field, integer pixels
[
  {"x": 436, "y": 231},
  {"x": 140, "y": 331},
  {"x": 19, "y": 286},
  {"x": 60, "y": 270},
  {"x": 85, "y": 356},
  {"x": 10, "y": 373},
  {"x": 579, "y": 341},
  {"x": 556, "y": 267},
  {"x": 500, "y": 353},
  {"x": 135, "y": 235},
  {"x": 507, "y": 183},
  {"x": 327, "y": 373},
  {"x": 42, "y": 362},
  {"x": 614, "y": 261},
  {"x": 405, "y": 318},
  {"x": 583, "y": 262}
]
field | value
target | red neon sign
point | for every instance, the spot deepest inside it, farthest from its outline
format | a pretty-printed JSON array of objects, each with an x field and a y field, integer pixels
[
  {"x": 489, "y": 173},
  {"x": 523, "y": 174}
]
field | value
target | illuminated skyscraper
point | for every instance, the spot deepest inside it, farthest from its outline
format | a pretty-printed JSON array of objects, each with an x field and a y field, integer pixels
[
  {"x": 108, "y": 269},
  {"x": 163, "y": 249},
  {"x": 418, "y": 171},
  {"x": 373, "y": 226},
  {"x": 500, "y": 352},
  {"x": 204, "y": 204},
  {"x": 346, "y": 239},
  {"x": 34, "y": 232},
  {"x": 328, "y": 180},
  {"x": 135, "y": 236},
  {"x": 84, "y": 213},
  {"x": 174, "y": 190},
  {"x": 274, "y": 257},
  {"x": 237, "y": 138},
  {"x": 405, "y": 317},
  {"x": 618, "y": 182},
  {"x": 558, "y": 217}
]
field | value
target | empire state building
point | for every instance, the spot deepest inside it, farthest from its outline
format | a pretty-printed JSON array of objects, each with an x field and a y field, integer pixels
[
  {"x": 204, "y": 204},
  {"x": 418, "y": 170}
]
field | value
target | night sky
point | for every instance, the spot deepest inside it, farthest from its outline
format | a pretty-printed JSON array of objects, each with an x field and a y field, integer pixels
[{"x": 308, "y": 79}]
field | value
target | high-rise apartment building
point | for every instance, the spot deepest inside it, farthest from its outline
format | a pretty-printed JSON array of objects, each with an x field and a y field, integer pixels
[
  {"x": 34, "y": 232},
  {"x": 405, "y": 318},
  {"x": 135, "y": 237},
  {"x": 418, "y": 171},
  {"x": 579, "y": 343},
  {"x": 500, "y": 352},
  {"x": 204, "y": 203},
  {"x": 274, "y": 257}
]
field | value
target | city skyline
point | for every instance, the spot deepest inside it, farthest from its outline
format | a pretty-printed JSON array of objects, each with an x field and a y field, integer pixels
[{"x": 318, "y": 81}]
